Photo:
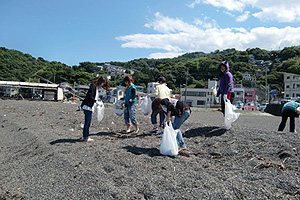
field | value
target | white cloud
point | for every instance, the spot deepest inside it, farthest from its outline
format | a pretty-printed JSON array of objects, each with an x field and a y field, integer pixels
[
  {"x": 176, "y": 37},
  {"x": 231, "y": 5},
  {"x": 165, "y": 55},
  {"x": 243, "y": 17},
  {"x": 192, "y": 5},
  {"x": 268, "y": 10}
]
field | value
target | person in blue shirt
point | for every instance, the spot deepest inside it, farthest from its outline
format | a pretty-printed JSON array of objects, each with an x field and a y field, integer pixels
[
  {"x": 289, "y": 110},
  {"x": 130, "y": 104}
]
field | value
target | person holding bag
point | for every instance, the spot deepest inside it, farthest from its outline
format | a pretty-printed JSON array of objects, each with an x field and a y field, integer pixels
[
  {"x": 161, "y": 92},
  {"x": 225, "y": 85},
  {"x": 181, "y": 111},
  {"x": 88, "y": 104}
]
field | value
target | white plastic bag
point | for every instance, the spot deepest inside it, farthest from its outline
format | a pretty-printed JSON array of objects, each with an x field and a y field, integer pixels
[
  {"x": 99, "y": 108},
  {"x": 169, "y": 146},
  {"x": 146, "y": 105},
  {"x": 119, "y": 107},
  {"x": 230, "y": 115}
]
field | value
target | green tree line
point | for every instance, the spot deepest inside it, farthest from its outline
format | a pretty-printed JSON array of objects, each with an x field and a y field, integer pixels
[{"x": 194, "y": 68}]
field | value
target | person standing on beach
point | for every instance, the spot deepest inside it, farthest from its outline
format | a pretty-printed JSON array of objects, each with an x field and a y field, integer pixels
[
  {"x": 181, "y": 111},
  {"x": 289, "y": 110},
  {"x": 130, "y": 104},
  {"x": 225, "y": 85},
  {"x": 88, "y": 103},
  {"x": 161, "y": 92}
]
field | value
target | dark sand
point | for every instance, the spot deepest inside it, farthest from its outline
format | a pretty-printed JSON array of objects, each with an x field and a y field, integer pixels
[{"x": 41, "y": 156}]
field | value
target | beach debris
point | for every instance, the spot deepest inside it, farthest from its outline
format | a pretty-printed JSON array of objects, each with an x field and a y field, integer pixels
[
  {"x": 270, "y": 164},
  {"x": 292, "y": 193}
]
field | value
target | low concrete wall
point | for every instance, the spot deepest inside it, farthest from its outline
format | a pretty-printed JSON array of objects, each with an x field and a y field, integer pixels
[{"x": 274, "y": 109}]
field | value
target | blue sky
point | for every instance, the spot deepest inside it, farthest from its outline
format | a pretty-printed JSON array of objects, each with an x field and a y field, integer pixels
[{"x": 74, "y": 31}]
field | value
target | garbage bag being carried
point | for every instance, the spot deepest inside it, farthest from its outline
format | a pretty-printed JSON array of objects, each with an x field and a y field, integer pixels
[
  {"x": 169, "y": 146},
  {"x": 99, "y": 108},
  {"x": 146, "y": 105},
  {"x": 230, "y": 115},
  {"x": 119, "y": 107}
]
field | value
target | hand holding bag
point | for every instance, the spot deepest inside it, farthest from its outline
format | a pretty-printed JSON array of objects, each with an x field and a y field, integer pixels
[
  {"x": 230, "y": 115},
  {"x": 99, "y": 106},
  {"x": 146, "y": 105},
  {"x": 119, "y": 107},
  {"x": 169, "y": 146}
]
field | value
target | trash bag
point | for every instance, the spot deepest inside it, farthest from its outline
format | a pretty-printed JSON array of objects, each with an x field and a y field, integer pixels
[
  {"x": 99, "y": 108},
  {"x": 146, "y": 105},
  {"x": 230, "y": 115},
  {"x": 119, "y": 107},
  {"x": 169, "y": 146}
]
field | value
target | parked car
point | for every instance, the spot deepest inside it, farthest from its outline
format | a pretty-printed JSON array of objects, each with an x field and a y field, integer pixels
[
  {"x": 250, "y": 106},
  {"x": 262, "y": 106}
]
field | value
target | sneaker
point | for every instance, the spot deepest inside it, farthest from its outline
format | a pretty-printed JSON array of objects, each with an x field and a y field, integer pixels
[
  {"x": 88, "y": 139},
  {"x": 160, "y": 131},
  {"x": 154, "y": 129}
]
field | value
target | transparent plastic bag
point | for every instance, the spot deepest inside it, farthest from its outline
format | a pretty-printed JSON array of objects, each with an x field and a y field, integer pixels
[
  {"x": 119, "y": 107},
  {"x": 99, "y": 108},
  {"x": 146, "y": 105},
  {"x": 230, "y": 115},
  {"x": 169, "y": 146}
]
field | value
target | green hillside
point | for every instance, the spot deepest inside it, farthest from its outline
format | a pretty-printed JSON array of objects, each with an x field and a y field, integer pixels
[{"x": 17, "y": 66}]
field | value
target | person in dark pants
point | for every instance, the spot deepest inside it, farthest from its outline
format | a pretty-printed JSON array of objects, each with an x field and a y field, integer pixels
[
  {"x": 181, "y": 111},
  {"x": 289, "y": 110},
  {"x": 225, "y": 85},
  {"x": 88, "y": 103}
]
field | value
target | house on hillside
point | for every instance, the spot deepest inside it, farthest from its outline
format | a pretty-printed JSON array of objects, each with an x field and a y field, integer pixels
[{"x": 291, "y": 86}]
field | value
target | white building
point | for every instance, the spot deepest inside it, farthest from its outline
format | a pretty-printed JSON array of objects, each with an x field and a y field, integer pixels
[
  {"x": 247, "y": 77},
  {"x": 200, "y": 97},
  {"x": 291, "y": 86},
  {"x": 151, "y": 87}
]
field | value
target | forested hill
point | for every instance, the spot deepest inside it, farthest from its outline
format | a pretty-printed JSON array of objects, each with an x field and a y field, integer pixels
[{"x": 17, "y": 66}]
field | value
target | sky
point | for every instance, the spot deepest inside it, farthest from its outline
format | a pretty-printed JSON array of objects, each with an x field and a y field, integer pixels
[{"x": 75, "y": 31}]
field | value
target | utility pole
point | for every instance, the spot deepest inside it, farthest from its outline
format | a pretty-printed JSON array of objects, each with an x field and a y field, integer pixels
[
  {"x": 186, "y": 77},
  {"x": 267, "y": 96}
]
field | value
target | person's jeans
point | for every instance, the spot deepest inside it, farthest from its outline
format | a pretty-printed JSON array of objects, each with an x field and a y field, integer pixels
[
  {"x": 178, "y": 121},
  {"x": 129, "y": 113},
  {"x": 285, "y": 115},
  {"x": 161, "y": 118},
  {"x": 87, "y": 123}
]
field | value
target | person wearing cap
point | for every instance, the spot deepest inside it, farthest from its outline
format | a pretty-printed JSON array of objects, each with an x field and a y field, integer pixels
[
  {"x": 161, "y": 92},
  {"x": 225, "y": 85}
]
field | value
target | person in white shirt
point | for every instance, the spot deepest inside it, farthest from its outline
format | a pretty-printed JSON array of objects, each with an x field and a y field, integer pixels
[{"x": 161, "y": 92}]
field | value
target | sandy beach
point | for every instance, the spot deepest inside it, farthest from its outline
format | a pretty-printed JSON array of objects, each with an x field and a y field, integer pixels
[{"x": 42, "y": 156}]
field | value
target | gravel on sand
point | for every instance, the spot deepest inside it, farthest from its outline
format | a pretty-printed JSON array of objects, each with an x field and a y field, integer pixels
[{"x": 42, "y": 157}]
